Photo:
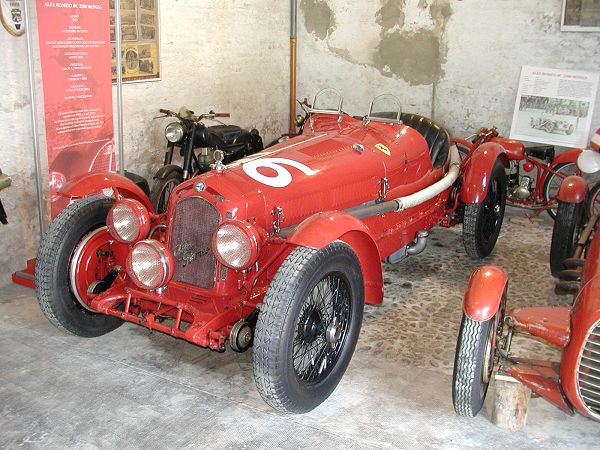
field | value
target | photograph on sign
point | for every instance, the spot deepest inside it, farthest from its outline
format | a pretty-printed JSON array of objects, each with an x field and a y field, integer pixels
[{"x": 554, "y": 106}]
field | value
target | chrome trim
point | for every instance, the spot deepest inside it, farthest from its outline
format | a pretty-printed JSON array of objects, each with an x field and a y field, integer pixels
[
  {"x": 368, "y": 118},
  {"x": 588, "y": 382},
  {"x": 73, "y": 267},
  {"x": 164, "y": 260}
]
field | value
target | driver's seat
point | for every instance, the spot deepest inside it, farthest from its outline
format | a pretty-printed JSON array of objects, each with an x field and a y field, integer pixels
[{"x": 437, "y": 138}]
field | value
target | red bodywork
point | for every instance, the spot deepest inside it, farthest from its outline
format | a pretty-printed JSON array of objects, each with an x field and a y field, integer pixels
[
  {"x": 300, "y": 192},
  {"x": 575, "y": 329}
]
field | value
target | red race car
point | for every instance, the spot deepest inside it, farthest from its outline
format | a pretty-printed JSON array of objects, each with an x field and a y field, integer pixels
[
  {"x": 574, "y": 383},
  {"x": 279, "y": 250}
]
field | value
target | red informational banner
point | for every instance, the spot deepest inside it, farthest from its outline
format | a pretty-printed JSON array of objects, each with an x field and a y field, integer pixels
[{"x": 76, "y": 77}]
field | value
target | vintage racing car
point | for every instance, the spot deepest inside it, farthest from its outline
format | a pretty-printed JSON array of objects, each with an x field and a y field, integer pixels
[{"x": 279, "y": 250}]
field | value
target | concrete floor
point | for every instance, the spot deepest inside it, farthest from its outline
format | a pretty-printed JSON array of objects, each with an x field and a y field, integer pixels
[{"x": 134, "y": 389}]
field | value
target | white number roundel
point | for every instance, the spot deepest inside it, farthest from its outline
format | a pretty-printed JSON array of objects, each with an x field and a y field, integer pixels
[{"x": 283, "y": 177}]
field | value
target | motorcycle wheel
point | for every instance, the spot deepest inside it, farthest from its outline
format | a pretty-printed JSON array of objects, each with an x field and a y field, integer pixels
[
  {"x": 553, "y": 182},
  {"x": 592, "y": 201},
  {"x": 308, "y": 326},
  {"x": 565, "y": 234},
  {"x": 482, "y": 221},
  {"x": 161, "y": 190}
]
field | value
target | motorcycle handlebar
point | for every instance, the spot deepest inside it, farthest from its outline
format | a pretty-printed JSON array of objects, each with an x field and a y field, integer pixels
[{"x": 220, "y": 115}]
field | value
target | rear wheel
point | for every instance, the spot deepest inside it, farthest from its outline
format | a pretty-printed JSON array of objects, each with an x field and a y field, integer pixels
[
  {"x": 553, "y": 182},
  {"x": 74, "y": 256},
  {"x": 161, "y": 190},
  {"x": 565, "y": 234},
  {"x": 482, "y": 221},
  {"x": 474, "y": 361},
  {"x": 308, "y": 326}
]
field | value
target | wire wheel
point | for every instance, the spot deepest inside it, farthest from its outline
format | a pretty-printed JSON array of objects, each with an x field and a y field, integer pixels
[
  {"x": 553, "y": 182},
  {"x": 322, "y": 328}
]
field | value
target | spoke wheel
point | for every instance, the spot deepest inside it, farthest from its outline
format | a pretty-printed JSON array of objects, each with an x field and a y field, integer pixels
[
  {"x": 565, "y": 234},
  {"x": 161, "y": 191},
  {"x": 553, "y": 182},
  {"x": 308, "y": 326},
  {"x": 593, "y": 201}
]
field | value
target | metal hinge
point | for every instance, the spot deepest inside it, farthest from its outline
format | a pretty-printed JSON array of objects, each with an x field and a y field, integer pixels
[
  {"x": 279, "y": 218},
  {"x": 383, "y": 189}
]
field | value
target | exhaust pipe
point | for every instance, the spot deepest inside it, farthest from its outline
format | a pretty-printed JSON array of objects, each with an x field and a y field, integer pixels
[{"x": 416, "y": 247}]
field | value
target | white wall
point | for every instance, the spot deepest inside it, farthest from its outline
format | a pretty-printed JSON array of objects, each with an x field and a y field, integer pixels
[
  {"x": 226, "y": 55},
  {"x": 470, "y": 51}
]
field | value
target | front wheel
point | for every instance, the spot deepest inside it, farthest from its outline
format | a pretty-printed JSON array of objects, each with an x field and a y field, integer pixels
[
  {"x": 592, "y": 201},
  {"x": 308, "y": 326},
  {"x": 553, "y": 182},
  {"x": 482, "y": 221},
  {"x": 161, "y": 190},
  {"x": 74, "y": 255},
  {"x": 565, "y": 234},
  {"x": 474, "y": 361}
]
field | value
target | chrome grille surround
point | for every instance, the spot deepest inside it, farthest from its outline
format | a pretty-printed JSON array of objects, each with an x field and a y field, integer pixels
[
  {"x": 588, "y": 372},
  {"x": 194, "y": 221}
]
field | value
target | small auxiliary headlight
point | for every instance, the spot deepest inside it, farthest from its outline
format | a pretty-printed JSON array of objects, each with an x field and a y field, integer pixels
[
  {"x": 174, "y": 132},
  {"x": 150, "y": 264},
  {"x": 236, "y": 244},
  {"x": 128, "y": 221}
]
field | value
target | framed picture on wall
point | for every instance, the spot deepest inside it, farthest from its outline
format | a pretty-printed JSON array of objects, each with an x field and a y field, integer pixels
[{"x": 580, "y": 15}]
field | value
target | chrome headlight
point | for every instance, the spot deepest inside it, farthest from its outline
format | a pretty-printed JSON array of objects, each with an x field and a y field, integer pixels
[
  {"x": 174, "y": 132},
  {"x": 589, "y": 161},
  {"x": 128, "y": 221},
  {"x": 150, "y": 264},
  {"x": 236, "y": 244}
]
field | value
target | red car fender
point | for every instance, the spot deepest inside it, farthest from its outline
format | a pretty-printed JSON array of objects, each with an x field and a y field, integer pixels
[
  {"x": 484, "y": 292},
  {"x": 93, "y": 182},
  {"x": 322, "y": 229},
  {"x": 478, "y": 170},
  {"x": 572, "y": 190}
]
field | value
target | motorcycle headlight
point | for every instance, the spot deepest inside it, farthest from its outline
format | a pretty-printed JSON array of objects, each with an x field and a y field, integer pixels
[
  {"x": 236, "y": 244},
  {"x": 589, "y": 161},
  {"x": 174, "y": 132},
  {"x": 128, "y": 221},
  {"x": 150, "y": 264}
]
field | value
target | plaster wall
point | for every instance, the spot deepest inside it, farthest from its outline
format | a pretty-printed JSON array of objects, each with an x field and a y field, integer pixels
[
  {"x": 227, "y": 55},
  {"x": 456, "y": 61}
]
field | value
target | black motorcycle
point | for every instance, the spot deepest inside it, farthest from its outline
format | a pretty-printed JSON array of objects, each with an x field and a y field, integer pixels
[
  {"x": 5, "y": 181},
  {"x": 197, "y": 144}
]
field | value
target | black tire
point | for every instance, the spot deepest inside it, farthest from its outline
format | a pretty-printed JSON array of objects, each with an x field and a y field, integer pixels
[
  {"x": 474, "y": 361},
  {"x": 161, "y": 189},
  {"x": 483, "y": 221},
  {"x": 292, "y": 327},
  {"x": 553, "y": 182},
  {"x": 52, "y": 284},
  {"x": 592, "y": 201},
  {"x": 565, "y": 234}
]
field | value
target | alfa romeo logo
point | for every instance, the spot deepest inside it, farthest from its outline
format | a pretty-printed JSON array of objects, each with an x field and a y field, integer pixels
[{"x": 186, "y": 254}]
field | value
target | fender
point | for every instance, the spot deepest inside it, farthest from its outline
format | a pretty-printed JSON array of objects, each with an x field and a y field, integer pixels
[
  {"x": 573, "y": 189},
  {"x": 321, "y": 229},
  {"x": 477, "y": 173},
  {"x": 484, "y": 292},
  {"x": 567, "y": 156},
  {"x": 167, "y": 170},
  {"x": 91, "y": 183}
]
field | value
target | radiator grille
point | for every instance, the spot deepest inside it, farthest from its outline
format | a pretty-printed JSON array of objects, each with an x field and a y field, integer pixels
[
  {"x": 588, "y": 379},
  {"x": 194, "y": 222}
]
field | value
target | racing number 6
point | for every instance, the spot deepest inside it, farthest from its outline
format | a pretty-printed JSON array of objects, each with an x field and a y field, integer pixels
[{"x": 283, "y": 177}]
